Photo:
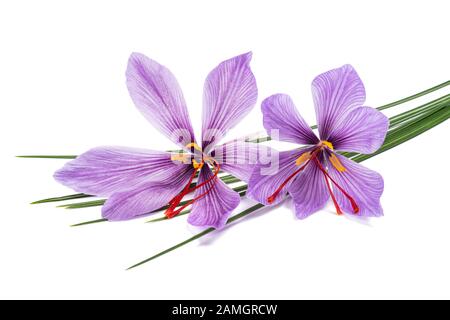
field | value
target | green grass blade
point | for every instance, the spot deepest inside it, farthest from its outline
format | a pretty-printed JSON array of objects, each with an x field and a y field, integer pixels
[
  {"x": 425, "y": 108},
  {"x": 88, "y": 222},
  {"x": 63, "y": 198},
  {"x": 198, "y": 235},
  {"x": 414, "y": 96},
  {"x": 86, "y": 204},
  {"x": 410, "y": 132}
]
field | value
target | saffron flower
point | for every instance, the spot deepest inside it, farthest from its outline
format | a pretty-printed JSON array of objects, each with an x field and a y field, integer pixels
[
  {"x": 137, "y": 182},
  {"x": 315, "y": 172}
]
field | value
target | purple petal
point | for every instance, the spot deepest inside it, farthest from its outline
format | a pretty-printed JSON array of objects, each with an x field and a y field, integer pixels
[
  {"x": 309, "y": 191},
  {"x": 229, "y": 94},
  {"x": 104, "y": 170},
  {"x": 157, "y": 95},
  {"x": 267, "y": 178},
  {"x": 336, "y": 93},
  {"x": 364, "y": 185},
  {"x": 239, "y": 158},
  {"x": 215, "y": 207},
  {"x": 362, "y": 130},
  {"x": 281, "y": 114},
  {"x": 145, "y": 198}
]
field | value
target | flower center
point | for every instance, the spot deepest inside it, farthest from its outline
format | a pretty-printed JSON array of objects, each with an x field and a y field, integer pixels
[
  {"x": 305, "y": 159},
  {"x": 172, "y": 210}
]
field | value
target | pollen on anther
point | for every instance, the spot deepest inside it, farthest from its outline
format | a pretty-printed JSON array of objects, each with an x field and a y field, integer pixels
[
  {"x": 328, "y": 144},
  {"x": 303, "y": 158},
  {"x": 337, "y": 164}
]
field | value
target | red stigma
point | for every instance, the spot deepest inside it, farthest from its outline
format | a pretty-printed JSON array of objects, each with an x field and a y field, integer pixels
[
  {"x": 328, "y": 177},
  {"x": 272, "y": 198},
  {"x": 175, "y": 202}
]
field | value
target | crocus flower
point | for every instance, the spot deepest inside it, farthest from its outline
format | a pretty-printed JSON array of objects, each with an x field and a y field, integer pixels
[
  {"x": 137, "y": 182},
  {"x": 315, "y": 172}
]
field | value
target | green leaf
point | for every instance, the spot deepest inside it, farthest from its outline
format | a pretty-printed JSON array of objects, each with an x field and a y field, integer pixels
[
  {"x": 410, "y": 132},
  {"x": 63, "y": 198},
  {"x": 86, "y": 204},
  {"x": 414, "y": 96},
  {"x": 88, "y": 222},
  {"x": 425, "y": 108}
]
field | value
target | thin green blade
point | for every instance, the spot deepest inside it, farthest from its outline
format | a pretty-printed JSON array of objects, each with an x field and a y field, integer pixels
[{"x": 63, "y": 198}]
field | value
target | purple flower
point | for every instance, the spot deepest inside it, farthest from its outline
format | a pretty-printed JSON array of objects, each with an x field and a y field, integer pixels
[
  {"x": 137, "y": 182},
  {"x": 313, "y": 173}
]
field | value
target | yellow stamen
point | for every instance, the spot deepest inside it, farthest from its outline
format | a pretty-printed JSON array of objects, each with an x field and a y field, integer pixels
[
  {"x": 186, "y": 157},
  {"x": 328, "y": 144},
  {"x": 303, "y": 158},
  {"x": 336, "y": 163},
  {"x": 194, "y": 145},
  {"x": 182, "y": 157},
  {"x": 197, "y": 165}
]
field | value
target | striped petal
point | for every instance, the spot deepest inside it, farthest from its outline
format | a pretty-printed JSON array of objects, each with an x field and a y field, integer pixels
[
  {"x": 147, "y": 197},
  {"x": 157, "y": 95},
  {"x": 267, "y": 178},
  {"x": 309, "y": 191},
  {"x": 363, "y": 130},
  {"x": 103, "y": 171},
  {"x": 336, "y": 93},
  {"x": 281, "y": 117},
  {"x": 364, "y": 185},
  {"x": 218, "y": 202},
  {"x": 229, "y": 94}
]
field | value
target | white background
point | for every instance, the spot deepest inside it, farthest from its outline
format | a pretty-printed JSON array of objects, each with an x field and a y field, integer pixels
[{"x": 62, "y": 91}]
